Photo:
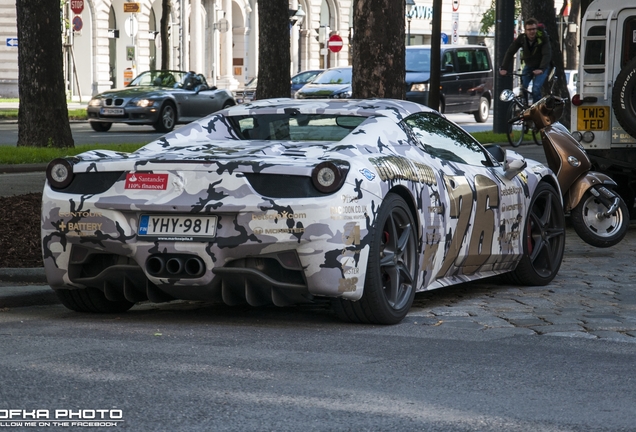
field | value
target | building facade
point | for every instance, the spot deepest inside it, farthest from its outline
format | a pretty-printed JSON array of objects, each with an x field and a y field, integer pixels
[{"x": 109, "y": 41}]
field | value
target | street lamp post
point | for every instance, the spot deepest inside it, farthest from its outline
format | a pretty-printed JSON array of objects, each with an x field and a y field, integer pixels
[{"x": 410, "y": 4}]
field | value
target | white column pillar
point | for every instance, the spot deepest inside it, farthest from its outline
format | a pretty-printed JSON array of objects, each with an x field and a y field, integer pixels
[
  {"x": 304, "y": 49},
  {"x": 252, "y": 66},
  {"x": 246, "y": 41},
  {"x": 197, "y": 44},
  {"x": 293, "y": 45},
  {"x": 227, "y": 79},
  {"x": 185, "y": 35}
]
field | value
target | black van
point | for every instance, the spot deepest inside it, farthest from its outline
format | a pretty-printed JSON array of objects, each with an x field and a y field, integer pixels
[{"x": 466, "y": 78}]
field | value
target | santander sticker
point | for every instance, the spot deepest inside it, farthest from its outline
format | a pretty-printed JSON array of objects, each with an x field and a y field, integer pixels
[{"x": 146, "y": 181}]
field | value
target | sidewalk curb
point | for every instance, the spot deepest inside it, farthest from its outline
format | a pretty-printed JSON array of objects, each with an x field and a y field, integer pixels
[
  {"x": 30, "y": 275},
  {"x": 22, "y": 168}
]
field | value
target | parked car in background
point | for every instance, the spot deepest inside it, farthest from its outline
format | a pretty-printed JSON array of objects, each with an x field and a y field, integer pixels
[
  {"x": 247, "y": 93},
  {"x": 334, "y": 83},
  {"x": 161, "y": 98},
  {"x": 572, "y": 79},
  {"x": 466, "y": 78},
  {"x": 302, "y": 78},
  {"x": 290, "y": 201}
]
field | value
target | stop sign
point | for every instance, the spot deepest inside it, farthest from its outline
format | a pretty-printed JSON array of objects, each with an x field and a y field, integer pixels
[
  {"x": 335, "y": 43},
  {"x": 77, "y": 6}
]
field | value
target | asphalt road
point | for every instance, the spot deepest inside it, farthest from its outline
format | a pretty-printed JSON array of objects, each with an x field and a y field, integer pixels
[
  {"x": 121, "y": 133},
  {"x": 475, "y": 357},
  {"x": 482, "y": 356},
  {"x": 84, "y": 134}
]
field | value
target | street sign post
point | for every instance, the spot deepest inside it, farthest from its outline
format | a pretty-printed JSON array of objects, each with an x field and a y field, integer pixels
[
  {"x": 335, "y": 43},
  {"x": 77, "y": 6},
  {"x": 132, "y": 7},
  {"x": 77, "y": 24}
]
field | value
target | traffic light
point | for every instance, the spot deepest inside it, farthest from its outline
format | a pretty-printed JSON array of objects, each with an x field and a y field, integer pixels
[{"x": 323, "y": 34}]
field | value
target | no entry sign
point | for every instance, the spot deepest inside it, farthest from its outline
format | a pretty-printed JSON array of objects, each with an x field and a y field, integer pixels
[
  {"x": 77, "y": 6},
  {"x": 335, "y": 43}
]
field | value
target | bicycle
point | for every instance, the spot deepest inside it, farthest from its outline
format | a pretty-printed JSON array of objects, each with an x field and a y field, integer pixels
[{"x": 518, "y": 129}]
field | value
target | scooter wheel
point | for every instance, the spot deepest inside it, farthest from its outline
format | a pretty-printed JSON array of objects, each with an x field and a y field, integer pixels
[{"x": 594, "y": 228}]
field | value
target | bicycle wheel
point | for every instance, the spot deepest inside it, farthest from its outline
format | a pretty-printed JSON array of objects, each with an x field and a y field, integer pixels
[
  {"x": 516, "y": 129},
  {"x": 536, "y": 136}
]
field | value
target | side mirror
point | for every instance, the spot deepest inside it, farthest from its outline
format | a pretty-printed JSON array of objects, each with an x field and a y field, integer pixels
[
  {"x": 447, "y": 68},
  {"x": 514, "y": 163},
  {"x": 497, "y": 152}
]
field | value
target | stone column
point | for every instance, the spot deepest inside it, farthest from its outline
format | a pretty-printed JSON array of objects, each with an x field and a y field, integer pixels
[
  {"x": 227, "y": 79},
  {"x": 197, "y": 44},
  {"x": 252, "y": 66}
]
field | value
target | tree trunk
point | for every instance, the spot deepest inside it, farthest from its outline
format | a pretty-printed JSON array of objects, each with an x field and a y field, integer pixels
[
  {"x": 544, "y": 13},
  {"x": 43, "y": 114},
  {"x": 274, "y": 56},
  {"x": 164, "y": 31},
  {"x": 378, "y": 49}
]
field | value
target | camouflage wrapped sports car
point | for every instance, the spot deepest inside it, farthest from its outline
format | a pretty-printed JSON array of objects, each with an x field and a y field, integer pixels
[{"x": 286, "y": 201}]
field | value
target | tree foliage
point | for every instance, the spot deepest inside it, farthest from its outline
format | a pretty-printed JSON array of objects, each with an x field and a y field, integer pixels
[
  {"x": 378, "y": 55},
  {"x": 274, "y": 55},
  {"x": 487, "y": 23},
  {"x": 43, "y": 114}
]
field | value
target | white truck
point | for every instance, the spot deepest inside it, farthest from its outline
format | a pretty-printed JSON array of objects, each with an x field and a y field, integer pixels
[{"x": 604, "y": 112}]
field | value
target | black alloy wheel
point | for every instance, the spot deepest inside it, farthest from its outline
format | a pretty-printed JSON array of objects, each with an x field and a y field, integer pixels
[
  {"x": 167, "y": 118},
  {"x": 391, "y": 275},
  {"x": 543, "y": 240}
]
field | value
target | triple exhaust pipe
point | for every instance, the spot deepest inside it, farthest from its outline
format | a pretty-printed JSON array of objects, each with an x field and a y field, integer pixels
[{"x": 175, "y": 266}]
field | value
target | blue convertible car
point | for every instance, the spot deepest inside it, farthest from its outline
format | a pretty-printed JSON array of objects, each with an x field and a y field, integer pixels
[{"x": 161, "y": 98}]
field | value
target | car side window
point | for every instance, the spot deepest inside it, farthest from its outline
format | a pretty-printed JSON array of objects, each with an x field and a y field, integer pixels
[
  {"x": 481, "y": 60},
  {"x": 466, "y": 60},
  {"x": 448, "y": 60},
  {"x": 442, "y": 139}
]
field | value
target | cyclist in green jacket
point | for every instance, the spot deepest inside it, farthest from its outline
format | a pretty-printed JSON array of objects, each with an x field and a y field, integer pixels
[{"x": 536, "y": 56}]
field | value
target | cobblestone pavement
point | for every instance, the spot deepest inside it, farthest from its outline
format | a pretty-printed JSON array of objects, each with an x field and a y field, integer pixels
[{"x": 593, "y": 296}]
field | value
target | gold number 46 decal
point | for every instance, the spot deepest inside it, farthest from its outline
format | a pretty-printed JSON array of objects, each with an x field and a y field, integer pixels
[{"x": 461, "y": 205}]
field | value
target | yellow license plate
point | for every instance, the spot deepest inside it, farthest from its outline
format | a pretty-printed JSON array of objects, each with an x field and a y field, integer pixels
[{"x": 595, "y": 118}]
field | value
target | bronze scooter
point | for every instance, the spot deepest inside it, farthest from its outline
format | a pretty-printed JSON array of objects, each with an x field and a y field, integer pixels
[{"x": 598, "y": 214}]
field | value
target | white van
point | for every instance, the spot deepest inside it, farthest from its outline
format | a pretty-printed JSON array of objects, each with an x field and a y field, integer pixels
[{"x": 604, "y": 111}]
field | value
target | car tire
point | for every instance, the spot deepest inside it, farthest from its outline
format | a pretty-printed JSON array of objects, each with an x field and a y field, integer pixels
[
  {"x": 167, "y": 118},
  {"x": 481, "y": 115},
  {"x": 100, "y": 126},
  {"x": 543, "y": 240},
  {"x": 623, "y": 101},
  {"x": 228, "y": 104},
  {"x": 391, "y": 274},
  {"x": 91, "y": 300}
]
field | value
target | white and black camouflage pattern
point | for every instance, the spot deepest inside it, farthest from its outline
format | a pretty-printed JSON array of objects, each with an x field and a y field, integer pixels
[{"x": 470, "y": 218}]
